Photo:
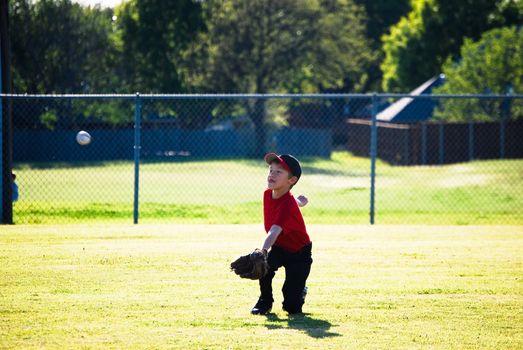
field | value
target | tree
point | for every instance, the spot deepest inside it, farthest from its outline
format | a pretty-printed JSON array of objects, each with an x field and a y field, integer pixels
[
  {"x": 267, "y": 46},
  {"x": 381, "y": 14},
  {"x": 492, "y": 64},
  {"x": 278, "y": 46},
  {"x": 59, "y": 47},
  {"x": 420, "y": 43},
  {"x": 153, "y": 35},
  {"x": 62, "y": 47}
]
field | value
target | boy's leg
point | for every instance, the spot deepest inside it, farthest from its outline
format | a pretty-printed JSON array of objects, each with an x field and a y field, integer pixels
[
  {"x": 266, "y": 286},
  {"x": 295, "y": 278},
  {"x": 264, "y": 304},
  {"x": 296, "y": 273}
]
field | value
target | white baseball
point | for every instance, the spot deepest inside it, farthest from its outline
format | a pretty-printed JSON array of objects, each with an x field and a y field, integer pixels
[{"x": 83, "y": 138}]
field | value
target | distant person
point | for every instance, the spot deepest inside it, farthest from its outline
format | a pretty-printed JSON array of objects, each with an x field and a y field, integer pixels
[{"x": 14, "y": 193}]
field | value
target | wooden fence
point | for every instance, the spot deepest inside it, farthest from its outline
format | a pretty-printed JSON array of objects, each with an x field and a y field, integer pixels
[{"x": 437, "y": 143}]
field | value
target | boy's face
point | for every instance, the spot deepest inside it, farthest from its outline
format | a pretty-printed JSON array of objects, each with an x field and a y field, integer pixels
[{"x": 278, "y": 178}]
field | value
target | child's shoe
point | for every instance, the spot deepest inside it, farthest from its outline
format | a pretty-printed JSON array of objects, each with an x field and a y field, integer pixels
[{"x": 262, "y": 307}]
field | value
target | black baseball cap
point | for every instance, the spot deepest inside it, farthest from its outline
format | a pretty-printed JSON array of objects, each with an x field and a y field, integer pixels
[{"x": 287, "y": 161}]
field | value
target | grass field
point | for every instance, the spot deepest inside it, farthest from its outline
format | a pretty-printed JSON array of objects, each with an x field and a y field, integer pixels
[
  {"x": 229, "y": 192},
  {"x": 169, "y": 287}
]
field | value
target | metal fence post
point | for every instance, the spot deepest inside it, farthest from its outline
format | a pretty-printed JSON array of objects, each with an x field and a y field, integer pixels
[
  {"x": 1, "y": 154},
  {"x": 373, "y": 154},
  {"x": 6, "y": 122},
  {"x": 137, "y": 136}
]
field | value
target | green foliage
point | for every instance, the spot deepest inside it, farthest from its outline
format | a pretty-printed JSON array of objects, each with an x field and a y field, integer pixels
[
  {"x": 339, "y": 61},
  {"x": 49, "y": 119},
  {"x": 154, "y": 33},
  {"x": 493, "y": 64},
  {"x": 59, "y": 47},
  {"x": 400, "y": 50},
  {"x": 107, "y": 112},
  {"x": 290, "y": 45},
  {"x": 487, "y": 65},
  {"x": 381, "y": 15},
  {"x": 420, "y": 43}
]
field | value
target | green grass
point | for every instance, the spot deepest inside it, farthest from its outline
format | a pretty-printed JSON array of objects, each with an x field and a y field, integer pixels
[
  {"x": 229, "y": 191},
  {"x": 169, "y": 287}
]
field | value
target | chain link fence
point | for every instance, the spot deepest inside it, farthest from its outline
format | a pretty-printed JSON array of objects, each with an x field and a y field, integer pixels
[{"x": 383, "y": 159}]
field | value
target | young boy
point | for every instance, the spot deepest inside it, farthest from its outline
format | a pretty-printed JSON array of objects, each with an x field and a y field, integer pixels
[{"x": 287, "y": 242}]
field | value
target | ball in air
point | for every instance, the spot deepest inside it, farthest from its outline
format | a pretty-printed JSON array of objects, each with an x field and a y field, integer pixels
[{"x": 83, "y": 138}]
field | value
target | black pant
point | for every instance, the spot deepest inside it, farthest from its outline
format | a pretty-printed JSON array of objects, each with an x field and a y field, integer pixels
[{"x": 297, "y": 267}]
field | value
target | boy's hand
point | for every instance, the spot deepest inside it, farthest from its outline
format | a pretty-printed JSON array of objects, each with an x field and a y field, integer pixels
[
  {"x": 252, "y": 266},
  {"x": 302, "y": 200}
]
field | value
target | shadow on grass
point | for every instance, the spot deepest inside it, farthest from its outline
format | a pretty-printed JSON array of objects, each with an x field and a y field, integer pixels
[{"x": 315, "y": 328}]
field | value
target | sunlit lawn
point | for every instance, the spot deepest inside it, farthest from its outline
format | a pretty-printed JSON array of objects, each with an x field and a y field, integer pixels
[{"x": 169, "y": 287}]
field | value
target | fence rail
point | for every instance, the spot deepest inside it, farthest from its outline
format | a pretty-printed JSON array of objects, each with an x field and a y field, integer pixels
[{"x": 170, "y": 157}]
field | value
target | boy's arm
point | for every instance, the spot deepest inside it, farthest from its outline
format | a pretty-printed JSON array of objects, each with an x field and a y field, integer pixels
[{"x": 272, "y": 236}]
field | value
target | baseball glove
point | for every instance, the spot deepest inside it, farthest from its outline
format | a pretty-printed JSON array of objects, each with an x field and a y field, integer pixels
[{"x": 252, "y": 266}]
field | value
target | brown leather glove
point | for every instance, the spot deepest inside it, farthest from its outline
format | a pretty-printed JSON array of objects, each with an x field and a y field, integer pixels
[{"x": 252, "y": 266}]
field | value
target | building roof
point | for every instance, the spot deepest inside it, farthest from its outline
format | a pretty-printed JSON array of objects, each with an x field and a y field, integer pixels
[{"x": 408, "y": 109}]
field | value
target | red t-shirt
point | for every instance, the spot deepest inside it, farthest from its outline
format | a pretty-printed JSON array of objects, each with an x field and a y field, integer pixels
[{"x": 285, "y": 213}]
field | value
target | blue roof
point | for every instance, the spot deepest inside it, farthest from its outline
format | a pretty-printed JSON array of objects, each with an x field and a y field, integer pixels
[{"x": 407, "y": 109}]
